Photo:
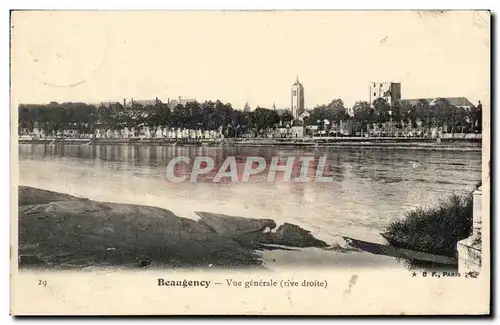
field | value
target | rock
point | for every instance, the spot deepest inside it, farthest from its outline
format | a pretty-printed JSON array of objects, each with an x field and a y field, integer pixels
[
  {"x": 78, "y": 232},
  {"x": 224, "y": 224},
  {"x": 58, "y": 230},
  {"x": 292, "y": 235},
  {"x": 30, "y": 195},
  {"x": 143, "y": 264},
  {"x": 255, "y": 232},
  {"x": 246, "y": 231}
]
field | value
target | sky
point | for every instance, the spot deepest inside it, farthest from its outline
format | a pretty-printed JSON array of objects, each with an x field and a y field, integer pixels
[{"x": 247, "y": 56}]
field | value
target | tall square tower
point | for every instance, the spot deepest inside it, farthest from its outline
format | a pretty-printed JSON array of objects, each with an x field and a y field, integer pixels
[
  {"x": 297, "y": 106},
  {"x": 390, "y": 91}
]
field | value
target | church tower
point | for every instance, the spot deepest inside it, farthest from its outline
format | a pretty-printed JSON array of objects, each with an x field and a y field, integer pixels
[
  {"x": 246, "y": 108},
  {"x": 297, "y": 99}
]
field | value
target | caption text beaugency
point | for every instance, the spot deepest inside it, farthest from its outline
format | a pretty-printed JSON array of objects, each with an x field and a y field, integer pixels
[{"x": 161, "y": 282}]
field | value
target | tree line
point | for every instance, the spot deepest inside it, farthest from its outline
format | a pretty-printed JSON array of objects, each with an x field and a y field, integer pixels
[
  {"x": 216, "y": 115},
  {"x": 441, "y": 114}
]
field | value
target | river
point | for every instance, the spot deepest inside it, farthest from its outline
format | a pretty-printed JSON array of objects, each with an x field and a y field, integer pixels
[{"x": 370, "y": 187}]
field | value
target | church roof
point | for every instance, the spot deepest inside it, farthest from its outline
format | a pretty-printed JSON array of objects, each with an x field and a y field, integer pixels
[
  {"x": 104, "y": 103},
  {"x": 143, "y": 102},
  {"x": 455, "y": 101},
  {"x": 297, "y": 82}
]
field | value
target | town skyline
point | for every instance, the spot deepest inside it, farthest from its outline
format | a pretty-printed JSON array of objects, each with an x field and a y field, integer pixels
[{"x": 66, "y": 59}]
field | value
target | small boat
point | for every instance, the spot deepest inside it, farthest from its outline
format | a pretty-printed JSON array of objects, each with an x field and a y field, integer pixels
[
  {"x": 393, "y": 241},
  {"x": 394, "y": 249}
]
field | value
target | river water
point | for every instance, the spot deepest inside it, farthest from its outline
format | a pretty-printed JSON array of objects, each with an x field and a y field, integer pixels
[{"x": 370, "y": 187}]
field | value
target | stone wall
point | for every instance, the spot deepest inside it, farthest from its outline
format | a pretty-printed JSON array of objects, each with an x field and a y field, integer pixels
[{"x": 469, "y": 249}]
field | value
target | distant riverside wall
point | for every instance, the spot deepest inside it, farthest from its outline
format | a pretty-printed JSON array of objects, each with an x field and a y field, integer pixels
[
  {"x": 458, "y": 144},
  {"x": 364, "y": 143},
  {"x": 120, "y": 141},
  {"x": 321, "y": 140}
]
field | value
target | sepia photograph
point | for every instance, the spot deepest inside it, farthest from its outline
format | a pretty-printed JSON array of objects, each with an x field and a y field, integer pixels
[{"x": 217, "y": 151}]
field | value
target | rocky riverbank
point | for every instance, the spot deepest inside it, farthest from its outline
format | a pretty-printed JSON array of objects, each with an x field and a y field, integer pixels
[{"x": 60, "y": 231}]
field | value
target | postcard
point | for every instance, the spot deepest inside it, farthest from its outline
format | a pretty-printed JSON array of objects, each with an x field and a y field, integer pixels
[{"x": 250, "y": 162}]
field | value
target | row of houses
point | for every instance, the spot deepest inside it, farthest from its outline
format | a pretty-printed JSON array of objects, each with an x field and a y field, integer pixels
[
  {"x": 342, "y": 128},
  {"x": 353, "y": 128},
  {"x": 158, "y": 132},
  {"x": 126, "y": 133},
  {"x": 171, "y": 103}
]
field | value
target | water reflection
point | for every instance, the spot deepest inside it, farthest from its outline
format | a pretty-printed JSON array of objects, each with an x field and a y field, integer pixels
[{"x": 370, "y": 187}]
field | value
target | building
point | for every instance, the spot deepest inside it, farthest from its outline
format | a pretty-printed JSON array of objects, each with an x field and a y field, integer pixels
[
  {"x": 346, "y": 128},
  {"x": 297, "y": 99},
  {"x": 106, "y": 104},
  {"x": 304, "y": 115},
  {"x": 143, "y": 102},
  {"x": 297, "y": 131},
  {"x": 461, "y": 102},
  {"x": 246, "y": 108},
  {"x": 390, "y": 91},
  {"x": 179, "y": 101}
]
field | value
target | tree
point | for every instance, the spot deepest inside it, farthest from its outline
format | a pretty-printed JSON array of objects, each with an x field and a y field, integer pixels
[
  {"x": 287, "y": 116},
  {"x": 222, "y": 114},
  {"x": 423, "y": 113},
  {"x": 477, "y": 118},
  {"x": 382, "y": 109},
  {"x": 460, "y": 123},
  {"x": 363, "y": 113},
  {"x": 265, "y": 118},
  {"x": 321, "y": 113},
  {"x": 336, "y": 110},
  {"x": 160, "y": 114},
  {"x": 248, "y": 120},
  {"x": 134, "y": 115},
  {"x": 408, "y": 114},
  {"x": 54, "y": 117},
  {"x": 396, "y": 114},
  {"x": 194, "y": 118},
  {"x": 441, "y": 112},
  {"x": 236, "y": 121},
  {"x": 179, "y": 116},
  {"x": 208, "y": 112}
]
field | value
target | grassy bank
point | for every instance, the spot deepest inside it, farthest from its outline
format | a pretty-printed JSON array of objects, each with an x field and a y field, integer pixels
[{"x": 435, "y": 229}]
